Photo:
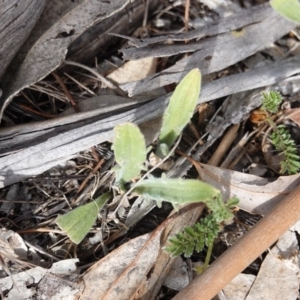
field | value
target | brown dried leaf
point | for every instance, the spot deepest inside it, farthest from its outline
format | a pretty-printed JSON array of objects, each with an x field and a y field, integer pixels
[
  {"x": 119, "y": 274},
  {"x": 256, "y": 194},
  {"x": 137, "y": 269},
  {"x": 128, "y": 71},
  {"x": 293, "y": 114}
]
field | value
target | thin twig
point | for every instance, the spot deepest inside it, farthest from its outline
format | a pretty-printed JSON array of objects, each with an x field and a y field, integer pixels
[
  {"x": 95, "y": 169},
  {"x": 109, "y": 83},
  {"x": 186, "y": 17},
  {"x": 145, "y": 20},
  {"x": 80, "y": 84},
  {"x": 66, "y": 91}
]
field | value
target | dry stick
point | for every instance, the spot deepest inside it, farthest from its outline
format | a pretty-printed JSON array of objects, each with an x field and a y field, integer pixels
[
  {"x": 66, "y": 91},
  {"x": 245, "y": 250},
  {"x": 237, "y": 159},
  {"x": 109, "y": 83},
  {"x": 92, "y": 173},
  {"x": 186, "y": 16},
  {"x": 225, "y": 144},
  {"x": 145, "y": 20},
  {"x": 235, "y": 152},
  {"x": 80, "y": 84},
  {"x": 194, "y": 131},
  {"x": 27, "y": 108}
]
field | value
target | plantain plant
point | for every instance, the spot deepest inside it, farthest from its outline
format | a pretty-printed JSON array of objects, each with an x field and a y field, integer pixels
[{"x": 130, "y": 153}]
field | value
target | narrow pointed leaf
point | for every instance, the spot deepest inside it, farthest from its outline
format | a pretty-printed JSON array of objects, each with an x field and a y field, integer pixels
[
  {"x": 180, "y": 109},
  {"x": 290, "y": 9},
  {"x": 130, "y": 151},
  {"x": 78, "y": 222}
]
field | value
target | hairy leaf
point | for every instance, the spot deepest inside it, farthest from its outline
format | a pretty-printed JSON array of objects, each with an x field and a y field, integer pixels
[
  {"x": 180, "y": 191},
  {"x": 78, "y": 222},
  {"x": 180, "y": 110},
  {"x": 177, "y": 191},
  {"x": 130, "y": 151},
  {"x": 290, "y": 9}
]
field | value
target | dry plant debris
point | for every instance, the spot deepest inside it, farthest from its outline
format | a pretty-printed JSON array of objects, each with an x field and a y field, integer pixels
[{"x": 68, "y": 86}]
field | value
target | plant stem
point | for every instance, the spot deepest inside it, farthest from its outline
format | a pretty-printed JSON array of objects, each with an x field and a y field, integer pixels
[{"x": 208, "y": 255}]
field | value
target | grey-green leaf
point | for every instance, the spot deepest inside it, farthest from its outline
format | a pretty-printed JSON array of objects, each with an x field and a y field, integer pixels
[
  {"x": 130, "y": 151},
  {"x": 78, "y": 222},
  {"x": 177, "y": 191},
  {"x": 290, "y": 9},
  {"x": 180, "y": 191},
  {"x": 180, "y": 109}
]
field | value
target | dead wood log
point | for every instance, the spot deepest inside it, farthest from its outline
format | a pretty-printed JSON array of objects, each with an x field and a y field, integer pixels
[{"x": 17, "y": 20}]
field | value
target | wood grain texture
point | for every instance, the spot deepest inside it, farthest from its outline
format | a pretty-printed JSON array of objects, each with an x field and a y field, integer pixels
[
  {"x": 17, "y": 19},
  {"x": 45, "y": 49},
  {"x": 45, "y": 144},
  {"x": 98, "y": 40},
  {"x": 37, "y": 147},
  {"x": 211, "y": 54}
]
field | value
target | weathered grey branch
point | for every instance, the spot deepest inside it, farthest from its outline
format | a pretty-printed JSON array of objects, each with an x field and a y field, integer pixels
[
  {"x": 17, "y": 18},
  {"x": 210, "y": 54},
  {"x": 50, "y": 144}
]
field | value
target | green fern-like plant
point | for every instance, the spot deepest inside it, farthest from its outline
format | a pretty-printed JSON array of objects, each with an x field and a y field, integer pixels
[
  {"x": 280, "y": 138},
  {"x": 202, "y": 234},
  {"x": 271, "y": 101},
  {"x": 195, "y": 238},
  {"x": 282, "y": 141}
]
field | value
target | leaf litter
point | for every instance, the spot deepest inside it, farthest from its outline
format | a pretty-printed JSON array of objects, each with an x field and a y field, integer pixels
[{"x": 234, "y": 83}]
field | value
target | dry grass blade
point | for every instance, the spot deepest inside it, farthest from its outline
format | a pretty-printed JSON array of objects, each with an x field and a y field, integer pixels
[{"x": 110, "y": 84}]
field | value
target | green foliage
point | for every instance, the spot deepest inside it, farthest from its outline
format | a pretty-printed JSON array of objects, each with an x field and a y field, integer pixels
[
  {"x": 130, "y": 154},
  {"x": 195, "y": 238},
  {"x": 290, "y": 9},
  {"x": 78, "y": 222},
  {"x": 180, "y": 191},
  {"x": 232, "y": 202},
  {"x": 202, "y": 233},
  {"x": 130, "y": 151},
  {"x": 271, "y": 101},
  {"x": 282, "y": 141},
  {"x": 280, "y": 138},
  {"x": 179, "y": 111},
  {"x": 219, "y": 209}
]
